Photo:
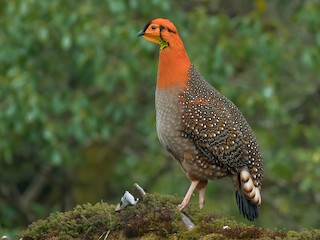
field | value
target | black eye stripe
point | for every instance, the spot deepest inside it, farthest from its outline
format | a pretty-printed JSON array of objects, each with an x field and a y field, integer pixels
[{"x": 169, "y": 30}]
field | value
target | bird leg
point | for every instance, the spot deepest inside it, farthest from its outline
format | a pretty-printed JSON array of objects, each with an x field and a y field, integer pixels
[
  {"x": 202, "y": 187},
  {"x": 201, "y": 197},
  {"x": 187, "y": 197}
]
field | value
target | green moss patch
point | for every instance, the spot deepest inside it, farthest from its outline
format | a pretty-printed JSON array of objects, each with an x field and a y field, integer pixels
[{"x": 154, "y": 217}]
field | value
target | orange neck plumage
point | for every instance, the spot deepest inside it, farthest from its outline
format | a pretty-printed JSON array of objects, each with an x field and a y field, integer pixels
[{"x": 174, "y": 65}]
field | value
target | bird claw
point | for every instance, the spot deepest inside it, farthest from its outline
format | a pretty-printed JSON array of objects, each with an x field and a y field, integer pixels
[{"x": 180, "y": 207}]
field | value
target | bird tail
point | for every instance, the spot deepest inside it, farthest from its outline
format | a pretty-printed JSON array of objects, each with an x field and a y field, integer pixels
[
  {"x": 246, "y": 207},
  {"x": 247, "y": 195}
]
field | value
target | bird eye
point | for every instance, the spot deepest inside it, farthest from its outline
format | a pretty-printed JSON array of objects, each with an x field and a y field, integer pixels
[{"x": 153, "y": 27}]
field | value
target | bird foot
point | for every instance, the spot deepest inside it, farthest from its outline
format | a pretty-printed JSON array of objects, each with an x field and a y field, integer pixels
[
  {"x": 187, "y": 197},
  {"x": 181, "y": 206}
]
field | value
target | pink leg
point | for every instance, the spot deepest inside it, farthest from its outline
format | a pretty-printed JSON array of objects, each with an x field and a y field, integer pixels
[
  {"x": 186, "y": 199},
  {"x": 201, "y": 197}
]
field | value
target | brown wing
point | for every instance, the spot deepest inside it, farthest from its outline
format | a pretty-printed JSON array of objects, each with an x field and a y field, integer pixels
[
  {"x": 214, "y": 132},
  {"x": 218, "y": 129}
]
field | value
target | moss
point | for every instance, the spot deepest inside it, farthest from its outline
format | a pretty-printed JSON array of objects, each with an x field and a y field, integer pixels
[
  {"x": 154, "y": 217},
  {"x": 85, "y": 220},
  {"x": 304, "y": 234},
  {"x": 157, "y": 214},
  {"x": 211, "y": 227}
]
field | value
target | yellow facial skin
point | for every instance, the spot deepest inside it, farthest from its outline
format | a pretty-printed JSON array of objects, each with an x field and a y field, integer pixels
[
  {"x": 153, "y": 34},
  {"x": 157, "y": 40}
]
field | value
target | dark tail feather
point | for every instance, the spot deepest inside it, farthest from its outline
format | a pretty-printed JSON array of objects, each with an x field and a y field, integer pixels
[{"x": 247, "y": 209}]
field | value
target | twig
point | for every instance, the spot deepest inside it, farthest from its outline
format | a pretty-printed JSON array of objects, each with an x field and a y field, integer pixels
[
  {"x": 87, "y": 232},
  {"x": 107, "y": 234},
  {"x": 101, "y": 235},
  {"x": 186, "y": 221},
  {"x": 140, "y": 189}
]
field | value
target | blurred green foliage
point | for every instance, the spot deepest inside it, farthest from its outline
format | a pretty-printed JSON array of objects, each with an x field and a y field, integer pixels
[{"x": 77, "y": 119}]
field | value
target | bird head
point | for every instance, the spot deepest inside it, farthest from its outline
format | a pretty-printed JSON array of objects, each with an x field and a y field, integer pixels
[
  {"x": 160, "y": 31},
  {"x": 174, "y": 62}
]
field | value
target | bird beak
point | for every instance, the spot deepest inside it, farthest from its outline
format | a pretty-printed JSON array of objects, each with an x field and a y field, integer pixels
[{"x": 141, "y": 33}]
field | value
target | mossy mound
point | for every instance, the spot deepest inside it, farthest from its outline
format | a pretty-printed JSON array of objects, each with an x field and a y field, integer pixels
[{"x": 154, "y": 217}]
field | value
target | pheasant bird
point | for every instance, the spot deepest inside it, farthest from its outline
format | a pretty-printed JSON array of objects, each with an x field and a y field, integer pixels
[{"x": 203, "y": 130}]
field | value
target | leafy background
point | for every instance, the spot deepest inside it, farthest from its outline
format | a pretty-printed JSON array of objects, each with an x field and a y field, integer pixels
[{"x": 77, "y": 119}]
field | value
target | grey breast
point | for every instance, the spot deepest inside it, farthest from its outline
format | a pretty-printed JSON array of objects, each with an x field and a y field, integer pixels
[{"x": 168, "y": 119}]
